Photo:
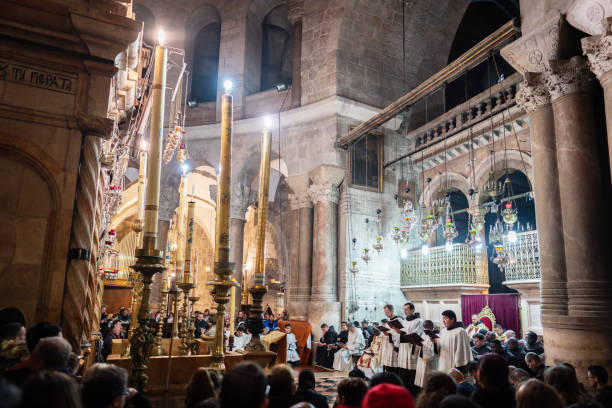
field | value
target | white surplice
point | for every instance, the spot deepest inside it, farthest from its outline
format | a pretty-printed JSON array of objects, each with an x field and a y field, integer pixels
[
  {"x": 343, "y": 359},
  {"x": 408, "y": 354},
  {"x": 454, "y": 349},
  {"x": 390, "y": 343},
  {"x": 427, "y": 362},
  {"x": 241, "y": 341},
  {"x": 292, "y": 354}
]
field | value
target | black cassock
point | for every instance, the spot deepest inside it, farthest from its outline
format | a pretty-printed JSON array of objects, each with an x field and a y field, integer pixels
[{"x": 324, "y": 356}]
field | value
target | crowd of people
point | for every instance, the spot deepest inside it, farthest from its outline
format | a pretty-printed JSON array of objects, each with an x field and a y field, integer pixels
[{"x": 448, "y": 368}]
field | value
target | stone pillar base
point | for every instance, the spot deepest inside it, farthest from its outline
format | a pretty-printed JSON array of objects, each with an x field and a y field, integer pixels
[
  {"x": 581, "y": 348},
  {"x": 323, "y": 312},
  {"x": 298, "y": 309}
]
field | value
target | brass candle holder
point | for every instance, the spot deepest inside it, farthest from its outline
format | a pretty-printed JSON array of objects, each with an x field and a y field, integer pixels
[
  {"x": 192, "y": 341},
  {"x": 185, "y": 345},
  {"x": 160, "y": 326}
]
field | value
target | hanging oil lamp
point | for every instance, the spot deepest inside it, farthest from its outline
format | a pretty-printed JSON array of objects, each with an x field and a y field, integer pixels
[
  {"x": 449, "y": 230},
  {"x": 366, "y": 258},
  {"x": 354, "y": 268},
  {"x": 378, "y": 245},
  {"x": 396, "y": 236}
]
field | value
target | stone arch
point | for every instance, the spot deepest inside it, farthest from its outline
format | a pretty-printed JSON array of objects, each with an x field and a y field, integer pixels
[
  {"x": 277, "y": 48},
  {"x": 202, "y": 40},
  {"x": 455, "y": 181},
  {"x": 258, "y": 10},
  {"x": 142, "y": 13},
  {"x": 513, "y": 158},
  {"x": 32, "y": 206}
]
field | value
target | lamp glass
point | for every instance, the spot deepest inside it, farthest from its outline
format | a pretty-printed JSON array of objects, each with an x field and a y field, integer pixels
[{"x": 228, "y": 86}]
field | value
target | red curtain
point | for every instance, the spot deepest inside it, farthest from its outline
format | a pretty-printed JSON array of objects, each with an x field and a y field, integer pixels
[{"x": 505, "y": 307}]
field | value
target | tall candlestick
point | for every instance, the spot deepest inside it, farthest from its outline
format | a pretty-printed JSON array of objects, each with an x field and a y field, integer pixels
[
  {"x": 187, "y": 278},
  {"x": 223, "y": 267},
  {"x": 255, "y": 320},
  {"x": 196, "y": 269},
  {"x": 180, "y": 225},
  {"x": 262, "y": 209},
  {"x": 149, "y": 259},
  {"x": 168, "y": 259}
]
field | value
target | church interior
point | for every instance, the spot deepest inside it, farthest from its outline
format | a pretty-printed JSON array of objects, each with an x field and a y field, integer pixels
[{"x": 205, "y": 170}]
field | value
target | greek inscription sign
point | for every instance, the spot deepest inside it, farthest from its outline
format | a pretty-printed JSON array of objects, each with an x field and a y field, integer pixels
[{"x": 37, "y": 77}]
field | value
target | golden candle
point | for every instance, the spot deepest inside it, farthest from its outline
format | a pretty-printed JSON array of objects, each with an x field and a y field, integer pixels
[
  {"x": 142, "y": 169},
  {"x": 232, "y": 308},
  {"x": 165, "y": 286},
  {"x": 262, "y": 215},
  {"x": 187, "y": 278},
  {"x": 195, "y": 270},
  {"x": 151, "y": 209},
  {"x": 180, "y": 229}
]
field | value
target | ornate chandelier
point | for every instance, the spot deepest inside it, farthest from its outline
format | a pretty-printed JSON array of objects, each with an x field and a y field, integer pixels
[
  {"x": 428, "y": 225},
  {"x": 492, "y": 187},
  {"x": 509, "y": 213}
]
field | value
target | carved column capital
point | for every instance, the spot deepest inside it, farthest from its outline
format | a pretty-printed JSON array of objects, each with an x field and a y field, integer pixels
[
  {"x": 533, "y": 92},
  {"x": 297, "y": 201},
  {"x": 241, "y": 200},
  {"x": 568, "y": 76},
  {"x": 598, "y": 49},
  {"x": 95, "y": 125},
  {"x": 324, "y": 193}
]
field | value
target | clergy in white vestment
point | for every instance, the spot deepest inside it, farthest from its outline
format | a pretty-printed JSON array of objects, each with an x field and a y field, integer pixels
[
  {"x": 292, "y": 355},
  {"x": 390, "y": 344},
  {"x": 343, "y": 359},
  {"x": 409, "y": 345},
  {"x": 453, "y": 344},
  {"x": 428, "y": 357},
  {"x": 241, "y": 339},
  {"x": 369, "y": 362}
]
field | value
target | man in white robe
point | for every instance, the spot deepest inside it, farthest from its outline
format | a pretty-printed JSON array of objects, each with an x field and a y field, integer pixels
[
  {"x": 428, "y": 357},
  {"x": 343, "y": 359},
  {"x": 453, "y": 344},
  {"x": 369, "y": 362},
  {"x": 241, "y": 339},
  {"x": 390, "y": 345},
  {"x": 409, "y": 348}
]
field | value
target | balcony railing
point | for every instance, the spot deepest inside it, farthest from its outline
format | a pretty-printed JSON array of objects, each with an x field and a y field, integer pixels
[
  {"x": 523, "y": 257},
  {"x": 461, "y": 266},
  {"x": 482, "y": 106}
]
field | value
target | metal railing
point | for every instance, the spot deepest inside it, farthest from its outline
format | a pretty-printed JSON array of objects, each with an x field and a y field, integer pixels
[
  {"x": 523, "y": 257},
  {"x": 462, "y": 265}
]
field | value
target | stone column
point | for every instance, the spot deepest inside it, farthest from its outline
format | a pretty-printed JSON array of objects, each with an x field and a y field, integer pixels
[
  {"x": 295, "y": 13},
  {"x": 598, "y": 49},
  {"x": 81, "y": 274},
  {"x": 301, "y": 276},
  {"x": 324, "y": 306},
  {"x": 589, "y": 282},
  {"x": 534, "y": 97}
]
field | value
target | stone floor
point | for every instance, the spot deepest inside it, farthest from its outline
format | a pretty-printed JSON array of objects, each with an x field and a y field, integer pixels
[{"x": 327, "y": 381}]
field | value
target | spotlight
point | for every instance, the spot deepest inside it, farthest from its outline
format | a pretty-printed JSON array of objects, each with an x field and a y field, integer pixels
[
  {"x": 425, "y": 250},
  {"x": 403, "y": 253},
  {"x": 228, "y": 86},
  {"x": 449, "y": 246},
  {"x": 281, "y": 87},
  {"x": 192, "y": 103},
  {"x": 267, "y": 122},
  {"x": 512, "y": 237},
  {"x": 184, "y": 168}
]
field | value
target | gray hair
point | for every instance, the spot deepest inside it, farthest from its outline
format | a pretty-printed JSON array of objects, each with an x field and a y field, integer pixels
[{"x": 52, "y": 352}]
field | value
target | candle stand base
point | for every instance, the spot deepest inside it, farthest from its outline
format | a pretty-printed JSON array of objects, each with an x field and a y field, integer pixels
[{"x": 255, "y": 322}]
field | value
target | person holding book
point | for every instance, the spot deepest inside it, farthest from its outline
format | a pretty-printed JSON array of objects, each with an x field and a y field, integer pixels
[
  {"x": 410, "y": 341},
  {"x": 369, "y": 361},
  {"x": 428, "y": 360},
  {"x": 390, "y": 347}
]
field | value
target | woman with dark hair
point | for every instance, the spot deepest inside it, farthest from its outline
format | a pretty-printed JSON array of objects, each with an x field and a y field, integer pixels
[
  {"x": 563, "y": 379},
  {"x": 437, "y": 387},
  {"x": 204, "y": 384},
  {"x": 535, "y": 394},
  {"x": 493, "y": 387}
]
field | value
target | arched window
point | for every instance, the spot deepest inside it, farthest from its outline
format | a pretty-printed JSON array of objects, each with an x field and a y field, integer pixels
[
  {"x": 277, "y": 49},
  {"x": 481, "y": 19},
  {"x": 206, "y": 63}
]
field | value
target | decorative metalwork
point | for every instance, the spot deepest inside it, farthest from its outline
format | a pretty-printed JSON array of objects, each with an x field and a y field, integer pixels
[
  {"x": 463, "y": 265},
  {"x": 366, "y": 258},
  {"x": 378, "y": 245},
  {"x": 524, "y": 257},
  {"x": 492, "y": 187},
  {"x": 354, "y": 268},
  {"x": 428, "y": 224}
]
